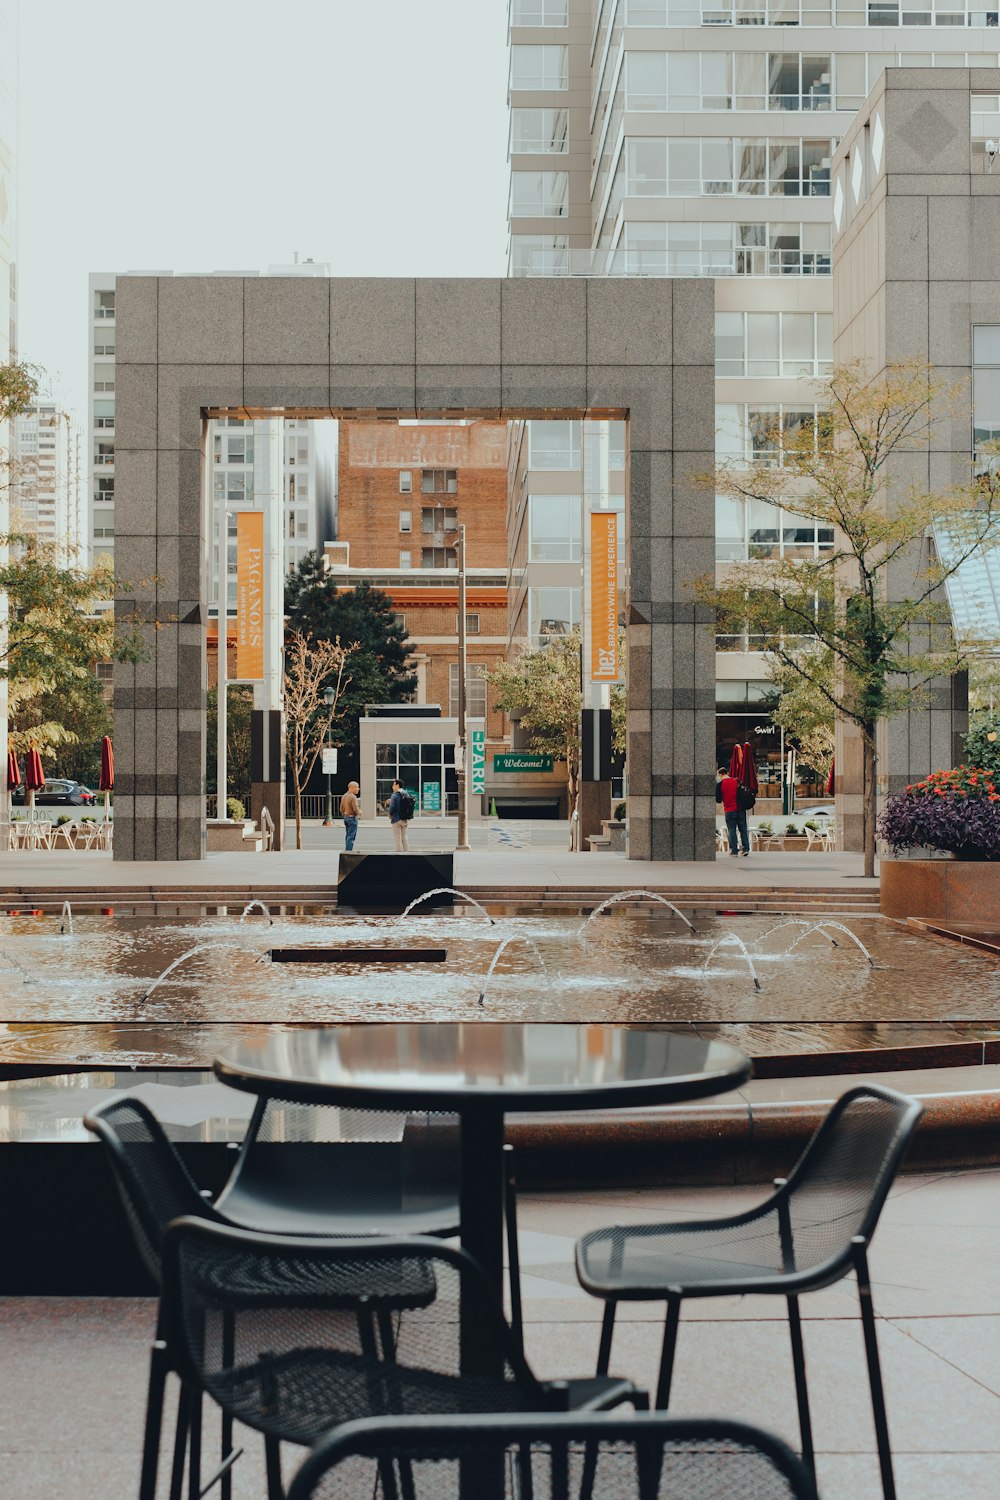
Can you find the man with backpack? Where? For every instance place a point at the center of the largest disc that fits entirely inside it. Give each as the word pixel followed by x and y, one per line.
pixel 734 799
pixel 400 812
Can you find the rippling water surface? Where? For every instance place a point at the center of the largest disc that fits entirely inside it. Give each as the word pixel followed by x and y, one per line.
pixel 628 966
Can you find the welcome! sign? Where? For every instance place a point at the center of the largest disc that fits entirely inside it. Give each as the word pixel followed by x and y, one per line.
pixel 604 596
pixel 250 595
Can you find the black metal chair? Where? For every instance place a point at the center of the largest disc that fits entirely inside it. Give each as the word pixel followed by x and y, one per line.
pixel 292 1336
pixel 809 1234
pixel 156 1187
pixel 645 1457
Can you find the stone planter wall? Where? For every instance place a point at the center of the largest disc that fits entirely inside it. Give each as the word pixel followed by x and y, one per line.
pixel 957 889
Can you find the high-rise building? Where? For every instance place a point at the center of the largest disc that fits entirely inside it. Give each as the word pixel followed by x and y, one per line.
pixel 694 137
pixel 45 479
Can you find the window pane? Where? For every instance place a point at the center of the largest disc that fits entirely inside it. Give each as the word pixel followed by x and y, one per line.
pixel 762 344
pixel 729 343
pixel 797 343
pixel 646 80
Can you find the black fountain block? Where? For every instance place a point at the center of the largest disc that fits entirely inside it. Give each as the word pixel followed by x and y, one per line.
pixel 321 955
pixel 392 881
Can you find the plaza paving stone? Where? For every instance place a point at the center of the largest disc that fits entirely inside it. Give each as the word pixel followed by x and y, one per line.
pixel 73 1371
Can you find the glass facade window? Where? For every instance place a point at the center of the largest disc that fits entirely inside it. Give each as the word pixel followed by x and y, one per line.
pixel 539 254
pixel 539 195
pixel 773 343
pixel 427 772
pixel 539 12
pixel 438 518
pixel 542 131
pixel 985 392
pixel 545 67
pixel 552 611
pixel 729 13
pixel 438 557
pixel 755 529
pixel 554 528
pixel 553 445
pixel 708 166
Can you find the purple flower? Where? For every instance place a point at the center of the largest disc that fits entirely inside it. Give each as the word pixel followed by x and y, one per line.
pixel 968 827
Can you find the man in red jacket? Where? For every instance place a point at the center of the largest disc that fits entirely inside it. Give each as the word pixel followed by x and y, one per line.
pixel 727 792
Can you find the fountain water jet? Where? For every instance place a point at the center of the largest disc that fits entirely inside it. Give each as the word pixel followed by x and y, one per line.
pixel 261 907
pixel 445 890
pixel 513 937
pixel 829 922
pixel 625 895
pixel 182 958
pixel 13 964
pixel 797 922
pixel 66 917
pixel 730 940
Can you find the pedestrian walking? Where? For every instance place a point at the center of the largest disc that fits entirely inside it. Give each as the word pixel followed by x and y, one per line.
pixel 350 811
pixel 727 791
pixel 400 813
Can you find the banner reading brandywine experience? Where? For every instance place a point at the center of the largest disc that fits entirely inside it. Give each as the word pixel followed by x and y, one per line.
pixel 604 596
pixel 250 595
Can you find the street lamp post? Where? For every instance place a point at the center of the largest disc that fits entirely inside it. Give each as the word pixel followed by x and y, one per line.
pixel 461 764
pixel 329 697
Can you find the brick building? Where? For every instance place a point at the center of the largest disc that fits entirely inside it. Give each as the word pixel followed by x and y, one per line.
pixel 403 491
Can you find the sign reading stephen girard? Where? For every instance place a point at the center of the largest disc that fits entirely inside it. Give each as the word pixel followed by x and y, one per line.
pixel 521 761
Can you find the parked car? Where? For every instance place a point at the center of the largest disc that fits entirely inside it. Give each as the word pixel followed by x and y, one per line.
pixel 56 794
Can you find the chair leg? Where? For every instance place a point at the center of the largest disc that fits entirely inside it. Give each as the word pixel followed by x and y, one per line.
pixel 801 1389
pixel 180 1442
pixel 194 1448
pixel 272 1454
pixel 154 1421
pixel 874 1371
pixel 228 1360
pixel 607 1333
pixel 667 1357
pixel 513 1250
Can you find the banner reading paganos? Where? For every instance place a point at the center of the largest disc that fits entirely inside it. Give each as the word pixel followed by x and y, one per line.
pixel 250 595
pixel 604 596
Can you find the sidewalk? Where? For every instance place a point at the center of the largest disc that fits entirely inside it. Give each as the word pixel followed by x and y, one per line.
pixel 317 867
pixel 74 1370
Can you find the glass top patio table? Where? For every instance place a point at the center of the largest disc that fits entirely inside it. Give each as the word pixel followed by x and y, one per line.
pixel 482 1070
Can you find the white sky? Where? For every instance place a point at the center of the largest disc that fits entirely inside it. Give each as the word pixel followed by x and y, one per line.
pixel 208 135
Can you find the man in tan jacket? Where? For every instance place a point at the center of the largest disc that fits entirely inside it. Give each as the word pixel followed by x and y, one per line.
pixel 350 811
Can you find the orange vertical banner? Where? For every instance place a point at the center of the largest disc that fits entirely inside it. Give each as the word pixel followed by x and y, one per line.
pixel 604 596
pixel 250 595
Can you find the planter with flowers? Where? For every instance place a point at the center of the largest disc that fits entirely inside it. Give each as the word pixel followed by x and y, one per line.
pixel 954 818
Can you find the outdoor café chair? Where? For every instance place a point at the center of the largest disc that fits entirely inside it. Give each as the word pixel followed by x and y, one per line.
pixel 156 1187
pixel 647 1456
pixel 293 1336
pixel 810 1233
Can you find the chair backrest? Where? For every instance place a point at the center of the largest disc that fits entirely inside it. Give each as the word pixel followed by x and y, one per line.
pixel 343 1328
pixel 154 1184
pixel 314 1159
pixel 647 1456
pixel 841 1181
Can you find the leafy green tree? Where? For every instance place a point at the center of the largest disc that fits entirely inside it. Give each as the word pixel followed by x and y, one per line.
pixel 542 689
pixel 67 725
pixel 239 708
pixel 804 709
pixel 888 639
pixel 380 671
pixel 982 743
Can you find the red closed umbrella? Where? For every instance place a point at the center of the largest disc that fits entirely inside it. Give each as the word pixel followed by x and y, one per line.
pixel 749 772
pixel 107 781
pixel 736 763
pixel 829 784
pixel 34 776
pixel 13 771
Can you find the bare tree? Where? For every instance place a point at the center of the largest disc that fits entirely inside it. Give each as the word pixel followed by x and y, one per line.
pixel 313 670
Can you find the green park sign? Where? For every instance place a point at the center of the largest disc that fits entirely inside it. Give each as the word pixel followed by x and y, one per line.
pixel 521 762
